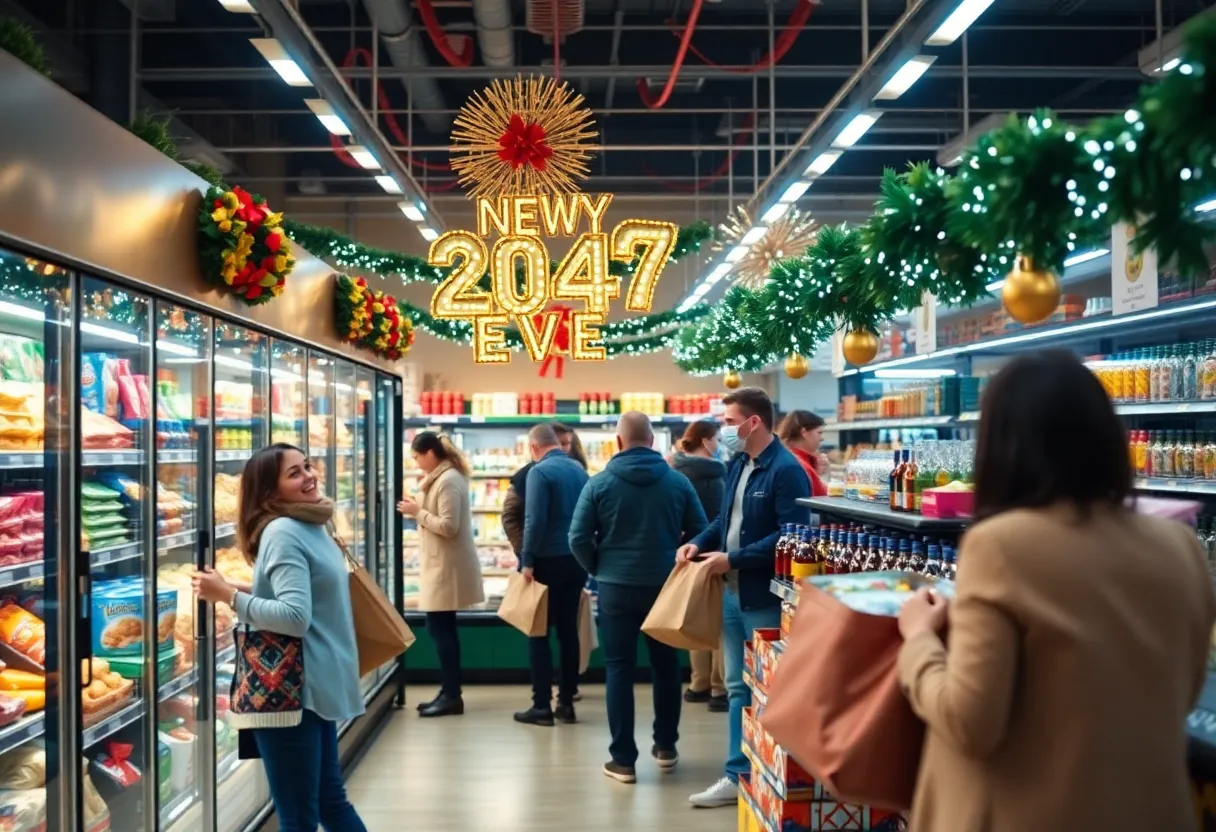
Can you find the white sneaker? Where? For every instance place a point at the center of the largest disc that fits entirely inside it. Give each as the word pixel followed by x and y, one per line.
pixel 722 793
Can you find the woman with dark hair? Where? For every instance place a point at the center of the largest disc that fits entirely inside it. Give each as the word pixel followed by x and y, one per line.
pixel 449 572
pixel 300 588
pixel 1078 635
pixel 695 457
pixel 802 432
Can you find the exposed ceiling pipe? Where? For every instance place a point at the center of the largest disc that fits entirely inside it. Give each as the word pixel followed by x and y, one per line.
pixel 494 32
pixel 403 45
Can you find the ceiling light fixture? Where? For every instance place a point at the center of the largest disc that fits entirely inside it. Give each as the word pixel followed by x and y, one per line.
pixel 326 115
pixel 412 212
pixel 856 128
pixel 753 235
pixel 363 156
pixel 736 254
pixel 914 374
pixel 794 192
pixel 429 234
pixel 241 6
pixel 281 62
pixel 958 22
pixel 388 183
pixel 776 212
pixel 819 166
pixel 905 77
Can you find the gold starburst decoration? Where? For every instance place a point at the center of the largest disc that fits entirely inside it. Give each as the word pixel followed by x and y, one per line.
pixel 523 136
pixel 789 236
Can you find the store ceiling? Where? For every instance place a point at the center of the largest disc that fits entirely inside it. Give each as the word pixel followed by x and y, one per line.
pixel 1078 56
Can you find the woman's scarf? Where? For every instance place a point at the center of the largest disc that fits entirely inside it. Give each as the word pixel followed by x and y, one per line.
pixel 320 513
pixel 430 478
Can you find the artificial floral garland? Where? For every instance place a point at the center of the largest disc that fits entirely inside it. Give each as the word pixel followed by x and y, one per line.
pixel 242 249
pixel 371 319
pixel 1033 191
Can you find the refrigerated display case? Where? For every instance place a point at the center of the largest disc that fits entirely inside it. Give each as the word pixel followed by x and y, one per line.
pixel 125 422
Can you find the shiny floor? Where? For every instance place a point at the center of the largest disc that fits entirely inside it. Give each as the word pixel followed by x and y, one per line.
pixel 482 771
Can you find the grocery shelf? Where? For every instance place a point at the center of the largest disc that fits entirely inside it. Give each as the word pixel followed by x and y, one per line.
pixel 758 816
pixel 970 417
pixel 125 457
pixel 112 724
pixel 176 540
pixel 226 767
pixel 176 455
pixel 758 693
pixel 1176 485
pixel 223 530
pixel 21 573
pixel 23 730
pixel 783 589
pixel 884 424
pixel 239 455
pixel 1165 408
pixel 880 515
pixel 127 551
pixel 572 418
pixel 177 685
pixel 21 459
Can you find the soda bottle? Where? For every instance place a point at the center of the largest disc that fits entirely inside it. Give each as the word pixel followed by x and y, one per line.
pixel 933 565
pixel 888 555
pixel 780 551
pixel 916 561
pixel 873 560
pixel 905 553
pixel 949 563
pixel 857 550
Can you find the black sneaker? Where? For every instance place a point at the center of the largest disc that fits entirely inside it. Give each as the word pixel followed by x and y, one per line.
pixel 422 706
pixel 696 696
pixel 719 704
pixel 565 714
pixel 666 758
pixel 535 716
pixel 620 773
pixel 578 697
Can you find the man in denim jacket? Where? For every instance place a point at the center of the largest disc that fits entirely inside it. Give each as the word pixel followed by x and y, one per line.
pixel 763 484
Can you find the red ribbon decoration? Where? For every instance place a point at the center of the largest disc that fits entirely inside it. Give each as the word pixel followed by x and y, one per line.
pixel 523 143
pixel 561 340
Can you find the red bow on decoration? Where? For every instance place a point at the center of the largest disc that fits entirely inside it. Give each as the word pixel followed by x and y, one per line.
pixel 561 340
pixel 249 212
pixel 524 144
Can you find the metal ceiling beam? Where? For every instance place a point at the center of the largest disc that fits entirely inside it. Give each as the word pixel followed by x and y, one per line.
pixel 575 72
pixel 610 148
pixel 640 111
pixel 1038 28
pixel 291 30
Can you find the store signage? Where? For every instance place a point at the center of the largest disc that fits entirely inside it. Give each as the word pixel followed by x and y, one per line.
pixel 510 246
pixel 838 353
pixel 1133 276
pixel 924 323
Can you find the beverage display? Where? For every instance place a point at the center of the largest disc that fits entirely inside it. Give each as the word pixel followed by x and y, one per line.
pixel 1173 373
pixel 1173 454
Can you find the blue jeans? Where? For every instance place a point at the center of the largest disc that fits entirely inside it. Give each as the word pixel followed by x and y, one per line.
pixel 305 777
pixel 737 627
pixel 622 609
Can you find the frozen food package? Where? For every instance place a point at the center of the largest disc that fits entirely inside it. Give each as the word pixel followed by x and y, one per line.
pixel 23 631
pixel 99 431
pixel 23 768
pixel 11 709
pixel 12 359
pixel 23 811
pixel 145 395
pixel 92 386
pixel 33 354
pixel 123 487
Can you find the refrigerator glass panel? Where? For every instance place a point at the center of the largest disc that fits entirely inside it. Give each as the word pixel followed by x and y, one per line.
pixel 183 407
pixel 320 416
pixel 346 517
pixel 128 619
pixel 364 483
pixel 287 394
pixel 34 347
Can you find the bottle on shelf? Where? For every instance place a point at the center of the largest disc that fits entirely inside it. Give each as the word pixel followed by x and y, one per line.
pixel 896 478
pixel 780 551
pixel 804 563
pixel 1209 457
pixel 1190 373
pixel 856 549
pixel 832 563
pixel 916 560
pixel 911 496
pixel 1197 456
pixel 1177 391
pixel 821 548
pixel 889 554
pixel 1207 370
pixel 949 563
pixel 1184 457
pixel 873 561
pixel 933 562
pixel 905 554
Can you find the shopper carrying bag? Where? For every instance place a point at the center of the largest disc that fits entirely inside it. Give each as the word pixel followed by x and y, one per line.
pixel 380 631
pixel 688 611
pixel 1078 635
pixel 525 606
pixel 300 591
pixel 449 572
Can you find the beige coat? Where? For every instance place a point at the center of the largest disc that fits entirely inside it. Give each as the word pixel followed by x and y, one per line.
pixel 449 573
pixel 1076 650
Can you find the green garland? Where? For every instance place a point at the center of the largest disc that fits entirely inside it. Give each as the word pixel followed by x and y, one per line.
pixel 154 130
pixel 20 41
pixel 725 340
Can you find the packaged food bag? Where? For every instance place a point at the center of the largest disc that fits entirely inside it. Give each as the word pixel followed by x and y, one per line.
pixel 525 606
pixel 687 614
pixel 834 702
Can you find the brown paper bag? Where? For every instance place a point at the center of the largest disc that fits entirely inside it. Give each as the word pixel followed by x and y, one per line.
pixel 688 612
pixel 835 703
pixel 525 606
pixel 588 637
pixel 381 634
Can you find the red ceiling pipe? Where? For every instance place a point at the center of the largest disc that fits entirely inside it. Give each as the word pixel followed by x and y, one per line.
pixel 783 43
pixel 656 103
pixel 439 37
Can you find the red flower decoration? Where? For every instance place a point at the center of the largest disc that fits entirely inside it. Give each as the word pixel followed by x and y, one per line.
pixel 523 143
pixel 274 242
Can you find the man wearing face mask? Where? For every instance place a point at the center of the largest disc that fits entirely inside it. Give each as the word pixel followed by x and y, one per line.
pixel 763 484
pixel 627 525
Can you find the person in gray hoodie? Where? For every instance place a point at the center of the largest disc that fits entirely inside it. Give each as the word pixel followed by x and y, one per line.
pixel 695 457
pixel 627 525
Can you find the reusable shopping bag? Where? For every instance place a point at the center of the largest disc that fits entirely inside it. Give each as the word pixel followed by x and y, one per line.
pixel 381 634
pixel 687 614
pixel 525 606
pixel 588 636
pixel 836 706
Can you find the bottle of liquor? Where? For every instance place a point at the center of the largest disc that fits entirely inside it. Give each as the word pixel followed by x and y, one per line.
pixel 873 561
pixel 889 554
pixel 780 551
pixel 822 550
pixel 833 563
pixel 905 553
pixel 895 479
pixel 817 554
pixel 799 567
pixel 949 563
pixel 933 564
pixel 806 551
pixel 911 495
pixel 916 561
pixel 857 552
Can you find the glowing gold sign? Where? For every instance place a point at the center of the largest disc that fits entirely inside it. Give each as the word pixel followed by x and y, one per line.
pixel 520 223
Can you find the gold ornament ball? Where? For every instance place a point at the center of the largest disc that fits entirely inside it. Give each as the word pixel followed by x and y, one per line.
pixel 732 380
pixel 1030 295
pixel 860 346
pixel 796 365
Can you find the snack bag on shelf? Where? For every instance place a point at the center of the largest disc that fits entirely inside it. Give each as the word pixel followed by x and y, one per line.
pixel 23 811
pixel 112 770
pixel 100 432
pixel 23 632
pixel 23 768
pixel 11 710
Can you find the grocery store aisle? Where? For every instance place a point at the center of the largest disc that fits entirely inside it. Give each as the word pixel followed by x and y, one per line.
pixel 482 771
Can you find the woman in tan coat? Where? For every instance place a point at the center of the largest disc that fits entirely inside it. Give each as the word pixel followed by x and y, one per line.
pixel 1077 636
pixel 449 574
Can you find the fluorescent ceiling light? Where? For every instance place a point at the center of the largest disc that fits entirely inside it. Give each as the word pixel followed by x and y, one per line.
pixel 856 128
pixel 905 77
pixel 326 115
pixel 753 235
pixel 736 254
pixel 719 272
pixel 429 234
pixel 958 22
pixel 1165 55
pixel 775 213
pixel 175 349
pixel 1204 207
pixel 822 162
pixel 388 183
pixel 914 374
pixel 281 62
pixel 242 6
pixel 794 192
pixel 363 156
pixel 411 211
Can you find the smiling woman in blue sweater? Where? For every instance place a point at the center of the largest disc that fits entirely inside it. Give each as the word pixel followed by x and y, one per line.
pixel 300 588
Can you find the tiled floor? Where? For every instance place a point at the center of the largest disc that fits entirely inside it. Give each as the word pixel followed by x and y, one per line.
pixel 482 771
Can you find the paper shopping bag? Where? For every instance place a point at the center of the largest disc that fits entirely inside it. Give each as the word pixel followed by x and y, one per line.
pixel 525 606
pixel 836 706
pixel 688 612
pixel 381 634
pixel 588 636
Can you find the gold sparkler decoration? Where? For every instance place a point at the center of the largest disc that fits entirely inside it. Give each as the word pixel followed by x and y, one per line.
pixel 789 236
pixel 522 136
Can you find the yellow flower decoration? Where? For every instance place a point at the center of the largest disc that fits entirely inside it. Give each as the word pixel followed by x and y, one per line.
pixel 226 226
pixel 228 273
pixel 244 246
pixel 280 263
pixel 378 307
pixel 230 201
pixel 238 226
pixel 219 215
pixel 273 220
